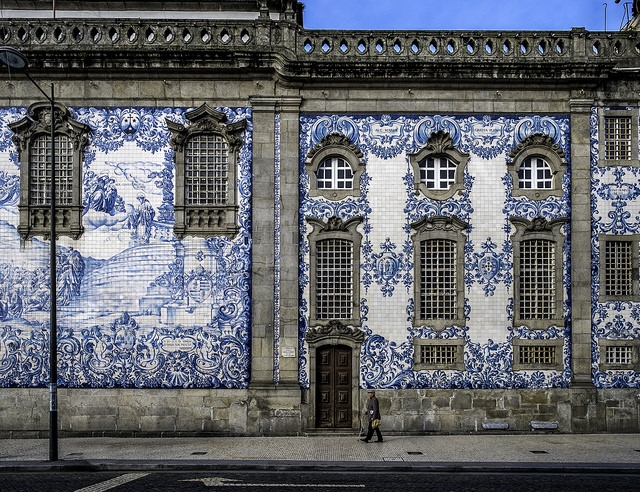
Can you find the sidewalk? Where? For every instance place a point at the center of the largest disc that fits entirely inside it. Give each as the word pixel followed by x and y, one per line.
pixel 581 453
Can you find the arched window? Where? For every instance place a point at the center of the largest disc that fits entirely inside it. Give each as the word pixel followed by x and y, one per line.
pixel 438 168
pixel 334 166
pixel 537 167
pixel 438 173
pixel 334 173
pixel 535 174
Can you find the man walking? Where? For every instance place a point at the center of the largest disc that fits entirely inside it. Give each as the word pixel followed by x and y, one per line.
pixel 373 413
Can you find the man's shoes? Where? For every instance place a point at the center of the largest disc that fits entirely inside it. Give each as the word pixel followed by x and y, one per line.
pixel 364 440
pixel 379 440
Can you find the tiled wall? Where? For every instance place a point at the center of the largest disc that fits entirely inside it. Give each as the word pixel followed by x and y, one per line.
pixel 615 210
pixel 136 307
pixel 388 205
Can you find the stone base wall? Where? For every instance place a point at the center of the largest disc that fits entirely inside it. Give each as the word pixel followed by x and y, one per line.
pixel 24 413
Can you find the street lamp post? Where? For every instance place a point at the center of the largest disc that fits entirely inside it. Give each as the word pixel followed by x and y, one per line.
pixel 13 58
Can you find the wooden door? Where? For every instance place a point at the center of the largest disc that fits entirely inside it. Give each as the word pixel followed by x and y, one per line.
pixel 333 386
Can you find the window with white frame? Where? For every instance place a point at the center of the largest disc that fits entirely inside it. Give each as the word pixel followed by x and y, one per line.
pixel 535 174
pixel 619 267
pixel 618 132
pixel 33 137
pixel 334 259
pixel 537 167
pixel 206 156
pixel 538 291
pixel 439 257
pixel 437 173
pixel 334 173
pixel 335 166
pixel 438 167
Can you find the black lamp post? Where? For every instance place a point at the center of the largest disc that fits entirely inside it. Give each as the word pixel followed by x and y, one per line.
pixel 13 58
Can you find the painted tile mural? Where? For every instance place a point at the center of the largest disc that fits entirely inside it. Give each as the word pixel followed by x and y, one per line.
pixel 136 306
pixel 388 205
pixel 615 210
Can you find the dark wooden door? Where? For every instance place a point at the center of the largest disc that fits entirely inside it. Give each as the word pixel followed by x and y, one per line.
pixel 333 386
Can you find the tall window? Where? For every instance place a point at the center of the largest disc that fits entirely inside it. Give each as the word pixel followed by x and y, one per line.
pixel 206 154
pixel 437 173
pixel 40 170
pixel 206 170
pixel 33 137
pixel 537 291
pixel 617 137
pixel 535 173
pixel 334 279
pixel 438 292
pixel 619 267
pixel 334 259
pixel 439 259
pixel 334 173
pixel 537 258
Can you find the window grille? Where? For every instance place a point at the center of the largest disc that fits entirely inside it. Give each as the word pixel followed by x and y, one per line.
pixel 537 279
pixel 334 279
pixel 536 355
pixel 618 275
pixel 40 170
pixel 438 354
pixel 617 137
pixel 438 296
pixel 206 170
pixel 437 173
pixel 334 173
pixel 619 355
pixel 535 173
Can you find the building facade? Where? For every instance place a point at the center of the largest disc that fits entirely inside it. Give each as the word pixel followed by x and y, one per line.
pixel 257 221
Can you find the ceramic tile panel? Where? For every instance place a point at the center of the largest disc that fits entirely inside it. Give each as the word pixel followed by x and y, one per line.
pixel 136 306
pixel 389 205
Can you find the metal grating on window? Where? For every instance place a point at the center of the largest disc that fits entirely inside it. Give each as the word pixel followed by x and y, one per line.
pixel 334 173
pixel 618 274
pixel 619 355
pixel 438 293
pixel 334 279
pixel 206 170
pixel 40 170
pixel 437 173
pixel 537 279
pixel 438 354
pixel 537 354
pixel 535 174
pixel 617 138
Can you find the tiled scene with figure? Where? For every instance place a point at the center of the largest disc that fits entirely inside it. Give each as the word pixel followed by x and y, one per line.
pixel 256 222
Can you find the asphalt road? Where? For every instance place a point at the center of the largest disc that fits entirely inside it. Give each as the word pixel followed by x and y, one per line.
pixel 313 481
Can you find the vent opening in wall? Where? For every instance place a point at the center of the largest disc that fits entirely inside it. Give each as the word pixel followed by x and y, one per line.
pixel 621 355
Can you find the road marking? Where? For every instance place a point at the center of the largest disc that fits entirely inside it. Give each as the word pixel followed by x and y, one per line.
pixel 114 482
pixel 230 482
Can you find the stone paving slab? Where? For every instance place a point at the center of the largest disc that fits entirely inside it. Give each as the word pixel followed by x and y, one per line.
pixel 612 451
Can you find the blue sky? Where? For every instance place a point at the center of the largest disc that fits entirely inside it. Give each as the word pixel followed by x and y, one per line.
pixel 464 14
